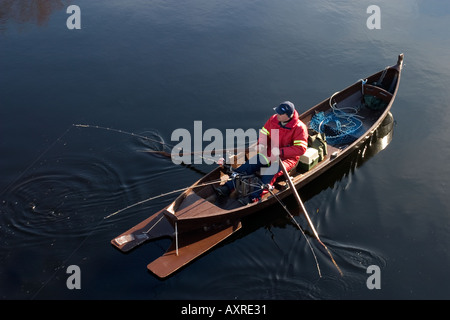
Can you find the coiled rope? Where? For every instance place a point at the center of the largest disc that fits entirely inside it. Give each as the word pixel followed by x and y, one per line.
pixel 339 124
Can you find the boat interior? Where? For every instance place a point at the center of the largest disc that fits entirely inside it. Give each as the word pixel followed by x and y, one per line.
pixel 365 102
pixel 336 127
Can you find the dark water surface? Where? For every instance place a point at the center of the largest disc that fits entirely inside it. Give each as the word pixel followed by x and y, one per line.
pixel 150 67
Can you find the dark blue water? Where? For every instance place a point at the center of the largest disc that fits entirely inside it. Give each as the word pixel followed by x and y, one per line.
pixel 150 67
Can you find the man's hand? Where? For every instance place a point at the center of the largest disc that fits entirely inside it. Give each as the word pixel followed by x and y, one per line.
pixel 274 155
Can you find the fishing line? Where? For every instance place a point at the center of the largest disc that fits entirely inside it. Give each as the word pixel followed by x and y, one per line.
pixel 302 207
pixel 58 269
pixel 167 154
pixel 39 157
pixel 161 195
pixel 300 228
pixel 64 262
pixel 120 131
pixel 36 160
pixel 20 176
pixel 97 225
pixel 154 225
pixel 247 146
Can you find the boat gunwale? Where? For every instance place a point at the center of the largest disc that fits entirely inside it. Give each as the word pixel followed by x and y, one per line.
pixel 299 179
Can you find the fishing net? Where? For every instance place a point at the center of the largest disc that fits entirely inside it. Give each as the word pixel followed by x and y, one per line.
pixel 340 125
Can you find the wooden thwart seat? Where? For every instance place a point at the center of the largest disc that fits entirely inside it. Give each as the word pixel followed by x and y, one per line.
pixel 377 92
pixel 196 206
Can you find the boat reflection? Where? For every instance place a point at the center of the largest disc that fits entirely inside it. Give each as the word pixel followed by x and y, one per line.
pixel 36 12
pixel 380 139
pixel 377 142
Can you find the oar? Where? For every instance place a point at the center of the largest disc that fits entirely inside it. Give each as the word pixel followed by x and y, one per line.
pixel 234 150
pixel 169 155
pixel 298 226
pixel 305 213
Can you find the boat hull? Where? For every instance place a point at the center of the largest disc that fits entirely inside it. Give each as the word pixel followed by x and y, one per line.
pixel 197 220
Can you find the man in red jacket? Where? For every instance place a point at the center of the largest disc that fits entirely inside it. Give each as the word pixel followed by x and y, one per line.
pixel 283 137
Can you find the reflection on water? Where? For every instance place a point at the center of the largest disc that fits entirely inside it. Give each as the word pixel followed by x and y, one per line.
pixel 37 12
pixel 77 181
pixel 381 138
pixel 286 269
pixel 57 198
pixel 161 64
pixel 61 200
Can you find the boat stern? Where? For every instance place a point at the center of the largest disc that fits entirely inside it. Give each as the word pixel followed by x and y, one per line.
pixel 156 226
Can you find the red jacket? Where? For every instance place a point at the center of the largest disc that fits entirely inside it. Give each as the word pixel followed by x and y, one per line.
pixel 293 138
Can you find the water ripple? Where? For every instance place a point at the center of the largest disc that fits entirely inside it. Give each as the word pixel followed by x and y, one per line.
pixel 62 198
pixel 283 268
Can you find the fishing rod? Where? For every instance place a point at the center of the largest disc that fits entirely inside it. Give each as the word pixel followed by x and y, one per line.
pixel 164 144
pixel 162 195
pixel 120 131
pixel 305 213
pixel 34 162
pixel 164 153
pixel 299 227
pixel 290 182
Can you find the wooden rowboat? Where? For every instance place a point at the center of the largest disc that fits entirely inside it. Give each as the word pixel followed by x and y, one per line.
pixel 197 221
